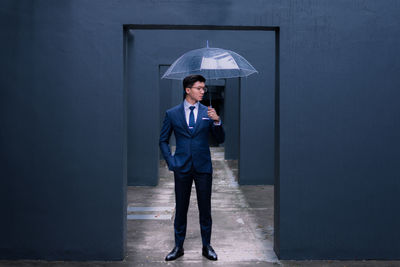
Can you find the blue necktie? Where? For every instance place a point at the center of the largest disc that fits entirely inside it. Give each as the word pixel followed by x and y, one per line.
pixel 191 118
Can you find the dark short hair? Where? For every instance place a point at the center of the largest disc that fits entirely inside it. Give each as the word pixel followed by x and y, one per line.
pixel 190 80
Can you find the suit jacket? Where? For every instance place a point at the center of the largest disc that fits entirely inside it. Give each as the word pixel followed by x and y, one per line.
pixel 191 148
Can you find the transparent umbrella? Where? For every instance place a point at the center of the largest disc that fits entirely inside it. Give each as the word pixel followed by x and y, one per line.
pixel 212 63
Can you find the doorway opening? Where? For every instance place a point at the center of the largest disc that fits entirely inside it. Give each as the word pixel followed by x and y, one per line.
pixel 219 101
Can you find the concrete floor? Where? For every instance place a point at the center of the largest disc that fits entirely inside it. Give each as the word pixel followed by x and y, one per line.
pixel 242 226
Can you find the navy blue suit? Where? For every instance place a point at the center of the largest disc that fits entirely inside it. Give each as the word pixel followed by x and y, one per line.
pixel 191 161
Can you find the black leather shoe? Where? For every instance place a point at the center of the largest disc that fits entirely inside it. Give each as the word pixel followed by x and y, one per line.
pixel 209 253
pixel 174 254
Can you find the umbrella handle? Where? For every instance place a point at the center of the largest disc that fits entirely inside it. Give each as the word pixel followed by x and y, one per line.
pixel 209 97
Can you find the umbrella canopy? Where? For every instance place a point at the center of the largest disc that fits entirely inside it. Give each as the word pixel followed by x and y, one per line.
pixel 212 63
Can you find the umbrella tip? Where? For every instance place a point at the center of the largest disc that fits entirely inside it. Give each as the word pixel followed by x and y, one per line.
pixel 207 43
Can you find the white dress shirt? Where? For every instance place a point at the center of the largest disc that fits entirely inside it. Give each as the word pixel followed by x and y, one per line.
pixel 186 106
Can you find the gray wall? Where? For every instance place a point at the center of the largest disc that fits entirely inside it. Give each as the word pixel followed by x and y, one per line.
pixel 339 127
pixel 232 118
pixel 62 183
pixel 62 130
pixel 257 106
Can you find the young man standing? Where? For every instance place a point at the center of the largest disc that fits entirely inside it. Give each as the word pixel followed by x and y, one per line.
pixel 191 122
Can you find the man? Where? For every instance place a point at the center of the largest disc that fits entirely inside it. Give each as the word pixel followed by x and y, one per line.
pixel 191 123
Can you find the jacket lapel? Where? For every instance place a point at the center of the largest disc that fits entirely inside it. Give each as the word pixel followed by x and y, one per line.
pixel 200 115
pixel 183 118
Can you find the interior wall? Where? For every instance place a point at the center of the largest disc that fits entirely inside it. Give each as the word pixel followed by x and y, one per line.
pixel 257 115
pixel 232 119
pixel 339 119
pixel 62 185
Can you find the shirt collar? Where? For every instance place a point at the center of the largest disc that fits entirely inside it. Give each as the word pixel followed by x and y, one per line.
pixel 187 104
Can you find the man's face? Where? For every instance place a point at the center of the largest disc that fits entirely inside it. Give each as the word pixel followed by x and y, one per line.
pixel 196 93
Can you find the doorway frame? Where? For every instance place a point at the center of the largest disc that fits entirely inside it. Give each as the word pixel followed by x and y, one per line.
pixel 276 29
